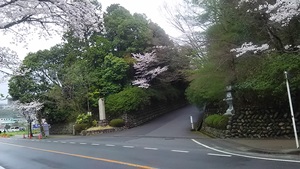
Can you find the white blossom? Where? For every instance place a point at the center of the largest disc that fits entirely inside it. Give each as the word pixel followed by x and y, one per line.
pixel 28 110
pixel 9 62
pixel 20 16
pixel 145 69
pixel 282 11
pixel 279 11
pixel 141 82
pixel 286 47
pixel 23 18
pixel 249 47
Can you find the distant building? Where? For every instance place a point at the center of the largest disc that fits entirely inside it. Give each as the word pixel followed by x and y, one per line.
pixel 10 116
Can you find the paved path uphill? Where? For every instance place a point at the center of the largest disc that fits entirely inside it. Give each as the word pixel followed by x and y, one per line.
pixel 172 125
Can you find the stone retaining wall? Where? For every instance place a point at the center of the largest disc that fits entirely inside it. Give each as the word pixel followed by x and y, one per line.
pixel 61 128
pixel 259 123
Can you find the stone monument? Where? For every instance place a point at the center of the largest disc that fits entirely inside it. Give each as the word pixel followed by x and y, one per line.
pixel 102 118
pixel 228 99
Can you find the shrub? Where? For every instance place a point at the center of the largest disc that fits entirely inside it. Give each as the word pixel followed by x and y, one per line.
pixel 216 121
pixel 223 122
pixel 117 123
pixel 95 123
pixel 210 119
pixel 80 127
pixel 84 119
pixel 126 101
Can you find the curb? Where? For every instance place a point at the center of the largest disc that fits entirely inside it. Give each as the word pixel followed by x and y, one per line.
pixel 284 152
pixel 207 134
pixel 246 148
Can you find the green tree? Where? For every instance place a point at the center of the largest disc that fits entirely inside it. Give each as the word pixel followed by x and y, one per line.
pixel 128 33
pixel 257 76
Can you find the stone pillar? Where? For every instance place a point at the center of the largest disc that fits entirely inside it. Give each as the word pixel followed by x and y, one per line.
pixel 102 118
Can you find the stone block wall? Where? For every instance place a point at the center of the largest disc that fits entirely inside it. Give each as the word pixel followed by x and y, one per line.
pixel 61 128
pixel 259 123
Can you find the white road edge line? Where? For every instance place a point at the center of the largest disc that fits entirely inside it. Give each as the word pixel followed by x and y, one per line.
pixel 180 151
pixel 2 167
pixel 149 148
pixel 109 145
pixel 128 146
pixel 246 156
pixel 221 155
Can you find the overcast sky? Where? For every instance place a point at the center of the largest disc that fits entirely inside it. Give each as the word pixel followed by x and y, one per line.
pixel 152 9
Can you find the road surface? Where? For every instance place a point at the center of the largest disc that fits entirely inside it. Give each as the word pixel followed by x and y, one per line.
pixel 165 143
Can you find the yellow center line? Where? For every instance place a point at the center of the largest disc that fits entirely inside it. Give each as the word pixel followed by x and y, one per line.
pixel 82 156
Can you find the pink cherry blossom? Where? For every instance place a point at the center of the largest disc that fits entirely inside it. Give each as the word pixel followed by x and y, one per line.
pixel 146 69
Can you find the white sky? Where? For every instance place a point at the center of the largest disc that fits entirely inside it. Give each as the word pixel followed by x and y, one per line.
pixel 152 9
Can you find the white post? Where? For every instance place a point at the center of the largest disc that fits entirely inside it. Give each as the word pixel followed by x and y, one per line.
pixel 191 118
pixel 291 108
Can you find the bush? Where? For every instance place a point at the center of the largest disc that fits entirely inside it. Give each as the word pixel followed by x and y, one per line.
pixel 95 123
pixel 80 127
pixel 126 101
pixel 216 121
pixel 117 123
pixel 84 119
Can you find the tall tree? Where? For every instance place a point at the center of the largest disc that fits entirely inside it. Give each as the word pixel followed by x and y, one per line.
pixel 128 33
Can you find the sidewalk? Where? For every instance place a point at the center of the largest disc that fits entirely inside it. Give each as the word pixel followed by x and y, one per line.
pixel 264 146
pixel 269 146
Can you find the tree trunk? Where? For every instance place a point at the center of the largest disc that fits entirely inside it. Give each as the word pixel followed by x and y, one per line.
pixel 30 129
pixel 39 117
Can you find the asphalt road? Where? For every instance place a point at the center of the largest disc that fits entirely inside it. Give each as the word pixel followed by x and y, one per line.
pixel 164 143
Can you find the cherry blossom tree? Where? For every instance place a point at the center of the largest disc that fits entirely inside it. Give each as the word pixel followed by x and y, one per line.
pixel 146 69
pixel 21 18
pixel 280 12
pixel 28 111
pixel 9 62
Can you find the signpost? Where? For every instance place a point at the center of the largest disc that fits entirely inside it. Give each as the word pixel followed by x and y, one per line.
pixel 291 108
